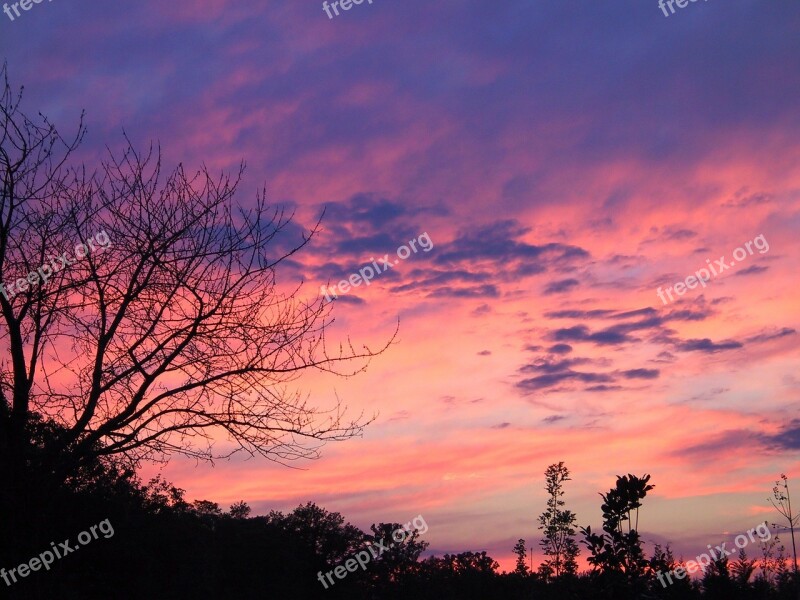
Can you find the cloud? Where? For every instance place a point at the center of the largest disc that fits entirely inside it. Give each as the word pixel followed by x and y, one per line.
pixel 668 234
pixel 434 279
pixel 639 312
pixel 553 419
pixel 478 291
pixel 603 388
pixel 752 270
pixel 581 333
pixel 368 209
pixel 561 286
pixel 742 199
pixel 472 265
pixel 399 416
pixel 499 242
pixel 707 346
pixel 559 349
pixel 788 439
pixel 688 314
pixel 481 310
pixel 697 312
pixel 679 234
pixel 665 357
pixel 374 245
pixel 579 314
pixel 641 374
pixel 625 327
pixel 551 372
pixel 722 444
pixel 552 379
pixel 548 366
pixel 767 336
pixel 348 299
pixel 711 393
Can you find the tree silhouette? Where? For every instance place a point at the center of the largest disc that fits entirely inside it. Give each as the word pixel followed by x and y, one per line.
pixel 240 510
pixel 664 583
pixel 742 569
pixel 398 551
pixel 558 526
pixel 177 336
pixel 326 534
pixel 521 567
pixel 782 502
pixel 463 575
pixel 617 552
pixel 717 581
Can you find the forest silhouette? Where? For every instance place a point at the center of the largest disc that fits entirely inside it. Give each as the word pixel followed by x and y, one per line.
pixel 165 546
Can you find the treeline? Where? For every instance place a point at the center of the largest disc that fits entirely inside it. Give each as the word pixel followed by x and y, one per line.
pixel 620 567
pixel 165 547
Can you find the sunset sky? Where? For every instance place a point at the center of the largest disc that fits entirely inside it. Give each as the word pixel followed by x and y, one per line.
pixel 566 159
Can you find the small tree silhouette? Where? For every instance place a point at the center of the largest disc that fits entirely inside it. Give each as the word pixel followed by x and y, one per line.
pixel 558 526
pixel 240 510
pixel 618 551
pixel 742 569
pixel 522 556
pixel 782 502
pixel 717 581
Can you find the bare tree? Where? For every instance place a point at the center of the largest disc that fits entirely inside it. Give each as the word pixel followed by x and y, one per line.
pixel 178 336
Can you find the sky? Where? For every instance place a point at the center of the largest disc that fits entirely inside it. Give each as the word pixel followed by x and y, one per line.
pixel 559 163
